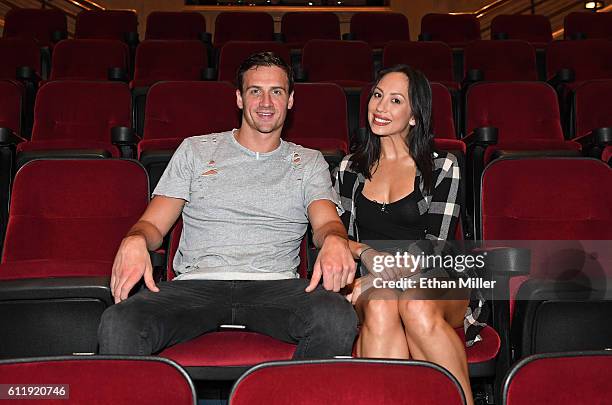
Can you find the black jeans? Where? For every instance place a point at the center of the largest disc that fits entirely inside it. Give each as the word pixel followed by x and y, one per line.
pixel 322 323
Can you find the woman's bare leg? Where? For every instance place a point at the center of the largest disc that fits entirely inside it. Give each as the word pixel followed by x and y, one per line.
pixel 429 327
pixel 382 334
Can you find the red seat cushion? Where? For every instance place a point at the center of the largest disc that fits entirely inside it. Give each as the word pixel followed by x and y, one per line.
pixel 532 145
pixel 44 268
pixel 68 144
pixel 229 349
pixel 484 350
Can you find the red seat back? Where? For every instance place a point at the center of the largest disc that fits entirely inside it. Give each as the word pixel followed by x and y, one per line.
pixel 532 28
pixel 591 25
pixel 379 381
pixel 379 28
pixel 592 106
pixel 182 25
pixel 105 24
pixel 347 63
pixel 127 380
pixel 501 60
pixel 10 105
pixel 299 28
pixel 243 26
pixel 318 119
pixel 16 53
pixel 434 59
pixel 562 379
pixel 73 210
pixel 589 59
pixel 33 23
pixel 87 59
pixel 234 53
pixel 78 110
pixel 456 30
pixel 520 110
pixel 160 60
pixel 540 206
pixel 184 109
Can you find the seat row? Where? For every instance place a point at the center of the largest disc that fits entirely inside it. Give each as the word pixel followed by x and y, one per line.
pixel 567 378
pixel 68 122
pixel 67 218
pixel 570 63
pixel 47 25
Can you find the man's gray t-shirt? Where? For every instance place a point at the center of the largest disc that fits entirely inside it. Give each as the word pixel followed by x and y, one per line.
pixel 246 212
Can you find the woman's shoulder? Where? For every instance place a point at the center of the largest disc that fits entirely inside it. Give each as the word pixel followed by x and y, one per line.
pixel 444 161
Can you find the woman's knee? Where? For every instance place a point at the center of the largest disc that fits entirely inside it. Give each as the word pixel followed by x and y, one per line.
pixel 420 317
pixel 381 315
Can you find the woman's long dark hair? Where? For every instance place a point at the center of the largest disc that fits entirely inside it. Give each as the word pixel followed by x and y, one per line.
pixel 419 140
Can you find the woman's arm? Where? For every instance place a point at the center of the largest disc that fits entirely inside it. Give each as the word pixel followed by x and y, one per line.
pixel 443 213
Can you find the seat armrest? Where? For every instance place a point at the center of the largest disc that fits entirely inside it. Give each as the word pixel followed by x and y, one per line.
pixel 349 36
pixel 8 137
pixel 205 37
pixel 125 139
pixel 117 74
pixel 597 137
pixel 208 74
pixel 58 35
pixel 482 136
pixel 564 75
pixel 131 38
pixel 278 37
pixel 501 36
pixel 425 36
pixel 508 261
pixel 60 287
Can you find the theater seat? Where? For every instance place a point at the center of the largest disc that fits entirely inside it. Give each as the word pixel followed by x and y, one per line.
pixel 433 58
pixel 175 25
pixel 76 118
pixel 587 25
pixel 46 26
pixel 90 59
pixel 561 291
pixel 344 382
pixel 120 380
pixel 238 26
pixel 591 123
pixel 510 60
pixel 572 378
pixel 532 28
pixel 454 29
pixel 298 28
pixel 107 24
pixel 66 221
pixel 377 29
pixel 225 355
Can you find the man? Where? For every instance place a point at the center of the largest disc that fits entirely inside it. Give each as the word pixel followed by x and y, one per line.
pixel 246 197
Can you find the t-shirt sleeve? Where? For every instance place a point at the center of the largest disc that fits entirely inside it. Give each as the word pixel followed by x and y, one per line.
pixel 318 185
pixel 176 180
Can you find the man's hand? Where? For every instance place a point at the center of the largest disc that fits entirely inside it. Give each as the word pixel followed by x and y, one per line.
pixel 334 264
pixel 131 263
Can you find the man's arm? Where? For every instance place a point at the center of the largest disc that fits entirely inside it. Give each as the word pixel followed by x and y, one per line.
pixel 132 260
pixel 335 262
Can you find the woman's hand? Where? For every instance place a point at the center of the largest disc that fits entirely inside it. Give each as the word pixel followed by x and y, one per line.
pixel 359 286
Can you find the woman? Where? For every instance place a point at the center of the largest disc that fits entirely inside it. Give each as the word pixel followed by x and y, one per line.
pixel 395 187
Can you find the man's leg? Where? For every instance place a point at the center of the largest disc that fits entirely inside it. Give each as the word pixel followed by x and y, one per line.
pixel 148 322
pixel 322 323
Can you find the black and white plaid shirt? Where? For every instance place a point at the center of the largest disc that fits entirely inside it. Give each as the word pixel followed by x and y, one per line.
pixel 442 213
